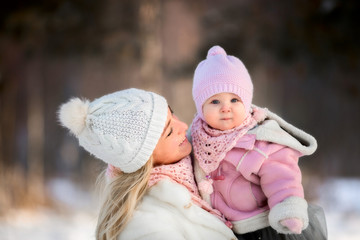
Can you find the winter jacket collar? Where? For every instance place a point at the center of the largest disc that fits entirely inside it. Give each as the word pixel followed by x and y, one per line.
pixel 277 130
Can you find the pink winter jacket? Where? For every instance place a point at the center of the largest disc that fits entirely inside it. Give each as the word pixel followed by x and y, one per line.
pixel 258 183
pixel 255 176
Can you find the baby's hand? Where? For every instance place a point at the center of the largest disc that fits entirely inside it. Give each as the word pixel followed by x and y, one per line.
pixel 293 224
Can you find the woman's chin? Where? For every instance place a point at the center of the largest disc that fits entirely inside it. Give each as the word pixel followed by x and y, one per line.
pixel 186 148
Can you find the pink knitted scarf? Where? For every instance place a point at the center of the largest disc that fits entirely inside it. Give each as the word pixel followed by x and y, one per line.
pixel 182 173
pixel 211 145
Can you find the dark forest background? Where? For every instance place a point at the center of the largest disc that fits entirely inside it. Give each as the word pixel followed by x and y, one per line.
pixel 303 56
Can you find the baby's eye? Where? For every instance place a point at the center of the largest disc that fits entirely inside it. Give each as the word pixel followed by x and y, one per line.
pixel 234 100
pixel 215 101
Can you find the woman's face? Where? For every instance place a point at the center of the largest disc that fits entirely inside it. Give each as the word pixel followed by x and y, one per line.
pixel 173 144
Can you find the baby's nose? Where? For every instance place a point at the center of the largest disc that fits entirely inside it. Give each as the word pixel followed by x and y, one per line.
pixel 225 108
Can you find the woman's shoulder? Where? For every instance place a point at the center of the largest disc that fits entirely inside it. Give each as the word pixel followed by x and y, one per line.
pixel 167 204
pixel 158 211
pixel 170 191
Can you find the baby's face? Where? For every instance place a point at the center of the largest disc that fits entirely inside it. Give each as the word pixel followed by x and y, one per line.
pixel 224 111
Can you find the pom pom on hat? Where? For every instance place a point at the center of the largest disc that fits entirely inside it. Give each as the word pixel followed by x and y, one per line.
pixel 72 115
pixel 216 50
pixel 220 73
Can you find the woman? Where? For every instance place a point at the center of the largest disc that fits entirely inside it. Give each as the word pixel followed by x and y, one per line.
pixel 148 189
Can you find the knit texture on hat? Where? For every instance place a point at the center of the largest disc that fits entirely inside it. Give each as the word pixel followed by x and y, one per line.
pixel 219 73
pixel 121 128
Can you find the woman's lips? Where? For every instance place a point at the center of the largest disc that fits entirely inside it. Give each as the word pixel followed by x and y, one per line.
pixel 183 141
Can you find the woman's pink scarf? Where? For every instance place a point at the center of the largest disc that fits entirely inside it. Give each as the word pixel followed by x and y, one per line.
pixel 182 173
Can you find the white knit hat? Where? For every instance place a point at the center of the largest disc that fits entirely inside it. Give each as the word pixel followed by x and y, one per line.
pixel 121 128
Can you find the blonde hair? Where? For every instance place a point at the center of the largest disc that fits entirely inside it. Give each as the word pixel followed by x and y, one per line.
pixel 119 197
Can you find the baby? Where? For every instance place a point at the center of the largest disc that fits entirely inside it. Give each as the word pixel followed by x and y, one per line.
pixel 246 158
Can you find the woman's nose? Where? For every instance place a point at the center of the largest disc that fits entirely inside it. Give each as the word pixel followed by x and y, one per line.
pixel 182 127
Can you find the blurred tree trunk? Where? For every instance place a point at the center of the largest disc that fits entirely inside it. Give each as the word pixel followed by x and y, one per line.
pixel 151 72
pixel 22 125
pixel 35 128
pixel 11 80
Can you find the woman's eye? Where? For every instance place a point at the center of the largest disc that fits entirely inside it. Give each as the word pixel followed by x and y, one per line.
pixel 171 130
pixel 234 100
pixel 215 102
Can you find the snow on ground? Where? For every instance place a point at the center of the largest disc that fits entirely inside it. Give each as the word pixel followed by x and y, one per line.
pixel 340 200
pixel 338 197
pixel 46 224
pixel 76 219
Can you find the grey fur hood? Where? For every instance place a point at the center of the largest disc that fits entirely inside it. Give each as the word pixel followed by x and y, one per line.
pixel 277 130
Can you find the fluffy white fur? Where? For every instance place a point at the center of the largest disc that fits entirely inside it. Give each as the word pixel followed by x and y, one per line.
pixel 277 130
pixel 252 224
pixel 289 208
pixel 166 212
pixel 72 115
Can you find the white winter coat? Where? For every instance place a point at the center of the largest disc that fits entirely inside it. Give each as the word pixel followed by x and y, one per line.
pixel 166 212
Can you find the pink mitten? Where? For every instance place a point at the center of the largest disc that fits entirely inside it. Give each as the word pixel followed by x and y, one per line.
pixel 293 224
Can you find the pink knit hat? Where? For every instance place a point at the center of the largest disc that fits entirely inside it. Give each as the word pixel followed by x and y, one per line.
pixel 219 73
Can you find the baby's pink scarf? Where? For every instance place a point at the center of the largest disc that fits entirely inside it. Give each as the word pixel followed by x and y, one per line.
pixel 211 145
pixel 182 173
